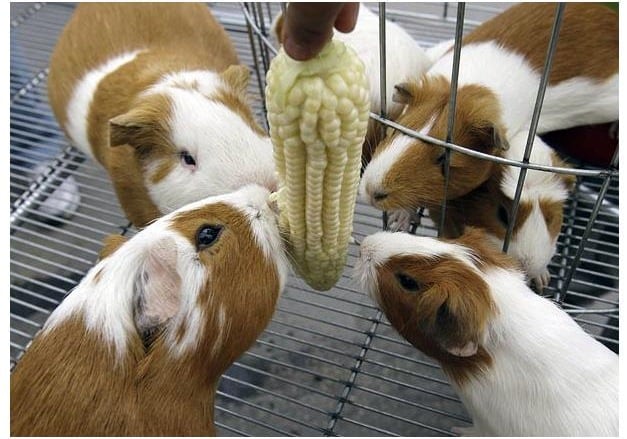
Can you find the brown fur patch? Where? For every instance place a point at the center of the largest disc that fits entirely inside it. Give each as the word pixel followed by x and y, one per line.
pixel 569 180
pixel 162 170
pixel 451 308
pixel 110 244
pixel 142 136
pixel 144 125
pixel 240 274
pixel 67 384
pixel 553 215
pixel 126 176
pixel 587 45
pixel 417 178
pixel 486 255
pixel 486 207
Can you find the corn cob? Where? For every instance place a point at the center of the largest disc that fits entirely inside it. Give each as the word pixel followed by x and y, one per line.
pixel 318 115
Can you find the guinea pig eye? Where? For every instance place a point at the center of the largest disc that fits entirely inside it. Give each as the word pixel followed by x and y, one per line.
pixel 441 161
pixel 187 159
pixel 407 282
pixel 207 235
pixel 503 215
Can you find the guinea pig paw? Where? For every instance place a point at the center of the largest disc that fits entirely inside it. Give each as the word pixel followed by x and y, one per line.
pixel 542 280
pixel 399 220
pixel 465 431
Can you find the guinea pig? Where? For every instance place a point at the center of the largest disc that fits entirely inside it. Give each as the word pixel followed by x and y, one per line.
pixel 500 68
pixel 155 94
pixel 539 217
pixel 404 59
pixel 520 365
pixel 138 347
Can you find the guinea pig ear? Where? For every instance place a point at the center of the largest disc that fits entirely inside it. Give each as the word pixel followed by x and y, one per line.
pixel 489 137
pixel 158 285
pixel 237 76
pixel 456 316
pixel 128 128
pixel 403 93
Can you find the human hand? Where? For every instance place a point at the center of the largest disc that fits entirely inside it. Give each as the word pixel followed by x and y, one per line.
pixel 309 26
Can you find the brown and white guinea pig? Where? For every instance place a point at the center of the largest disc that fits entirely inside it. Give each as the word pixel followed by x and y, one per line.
pixel 540 212
pixel 521 365
pixel 154 92
pixel 138 347
pixel 500 69
pixel 404 59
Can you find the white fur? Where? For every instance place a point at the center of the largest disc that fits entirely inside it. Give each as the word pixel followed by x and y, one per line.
pixel 548 377
pixel 569 103
pixel 203 81
pixel 379 247
pixel 436 51
pixel 372 178
pixel 375 172
pixel 228 153
pixel 252 201
pixel 223 329
pixel 538 184
pixel 108 304
pixel 82 96
pixel 579 101
pixel 404 57
pixel 532 244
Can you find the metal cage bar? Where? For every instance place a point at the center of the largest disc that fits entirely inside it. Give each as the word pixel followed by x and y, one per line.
pixel 450 125
pixel 544 82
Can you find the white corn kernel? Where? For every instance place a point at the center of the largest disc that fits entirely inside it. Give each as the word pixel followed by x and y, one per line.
pixel 318 113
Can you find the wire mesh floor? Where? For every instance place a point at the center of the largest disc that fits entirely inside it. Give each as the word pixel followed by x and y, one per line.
pixel 329 363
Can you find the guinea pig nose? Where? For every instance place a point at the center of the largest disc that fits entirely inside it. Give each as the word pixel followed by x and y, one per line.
pixel 378 195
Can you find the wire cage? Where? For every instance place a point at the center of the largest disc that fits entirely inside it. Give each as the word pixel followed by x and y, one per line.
pixel 328 363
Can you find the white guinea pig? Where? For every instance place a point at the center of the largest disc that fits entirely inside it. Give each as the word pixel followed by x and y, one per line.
pixel 154 93
pixel 521 365
pixel 138 347
pixel 404 59
pixel 539 217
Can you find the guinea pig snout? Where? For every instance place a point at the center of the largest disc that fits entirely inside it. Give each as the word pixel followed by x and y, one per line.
pixel 373 194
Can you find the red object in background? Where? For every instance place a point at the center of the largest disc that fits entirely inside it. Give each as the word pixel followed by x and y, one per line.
pixel 592 144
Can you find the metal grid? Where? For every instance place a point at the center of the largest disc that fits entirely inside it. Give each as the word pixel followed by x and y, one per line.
pixel 329 363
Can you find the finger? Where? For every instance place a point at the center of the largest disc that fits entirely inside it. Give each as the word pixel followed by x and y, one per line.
pixel 347 17
pixel 308 27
